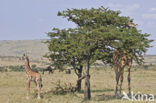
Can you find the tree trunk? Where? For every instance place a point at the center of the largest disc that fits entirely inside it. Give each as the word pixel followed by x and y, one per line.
pixel 79 76
pixel 87 93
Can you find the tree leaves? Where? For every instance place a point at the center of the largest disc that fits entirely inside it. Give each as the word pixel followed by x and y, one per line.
pixel 98 34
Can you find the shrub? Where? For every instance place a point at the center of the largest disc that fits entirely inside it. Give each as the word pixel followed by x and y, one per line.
pixel 17 68
pixel 3 69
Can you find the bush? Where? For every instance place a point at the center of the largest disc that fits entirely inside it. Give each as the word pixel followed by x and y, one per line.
pixel 3 69
pixel 62 89
pixel 17 68
pixel 35 68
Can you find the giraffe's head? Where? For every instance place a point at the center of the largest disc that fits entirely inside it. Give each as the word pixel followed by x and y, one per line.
pixel 131 24
pixel 24 57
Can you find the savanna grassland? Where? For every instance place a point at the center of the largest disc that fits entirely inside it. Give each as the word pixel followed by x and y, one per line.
pixel 13 86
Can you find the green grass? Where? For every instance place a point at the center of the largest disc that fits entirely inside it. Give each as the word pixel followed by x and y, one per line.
pixel 13 90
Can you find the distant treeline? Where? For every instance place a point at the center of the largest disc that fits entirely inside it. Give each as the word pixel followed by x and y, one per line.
pixel 10 58
pixel 18 68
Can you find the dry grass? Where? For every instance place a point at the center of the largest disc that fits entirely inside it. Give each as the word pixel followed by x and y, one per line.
pixel 12 86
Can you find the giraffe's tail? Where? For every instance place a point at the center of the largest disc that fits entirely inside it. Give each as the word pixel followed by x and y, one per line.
pixel 41 85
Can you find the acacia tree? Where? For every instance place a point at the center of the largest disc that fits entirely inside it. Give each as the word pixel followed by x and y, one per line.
pixel 98 34
pixel 65 48
pixel 94 26
pixel 76 47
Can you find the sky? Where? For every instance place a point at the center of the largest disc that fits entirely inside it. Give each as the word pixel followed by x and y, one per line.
pixel 31 19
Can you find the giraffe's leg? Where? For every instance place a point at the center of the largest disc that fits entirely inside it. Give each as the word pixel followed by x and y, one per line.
pixel 117 80
pixel 129 77
pixel 39 91
pixel 39 88
pixel 28 88
pixel 122 66
pixel 129 81
pixel 116 73
pixel 121 79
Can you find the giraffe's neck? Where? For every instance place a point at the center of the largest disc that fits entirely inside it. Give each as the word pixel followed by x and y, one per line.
pixel 28 68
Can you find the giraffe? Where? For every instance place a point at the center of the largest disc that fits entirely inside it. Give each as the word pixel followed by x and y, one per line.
pixel 32 76
pixel 130 24
pixel 120 60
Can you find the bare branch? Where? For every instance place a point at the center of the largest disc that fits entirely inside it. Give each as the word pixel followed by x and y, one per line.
pixel 81 78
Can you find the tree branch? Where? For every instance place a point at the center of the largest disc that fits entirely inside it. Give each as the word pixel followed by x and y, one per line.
pixel 76 72
pixel 84 76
